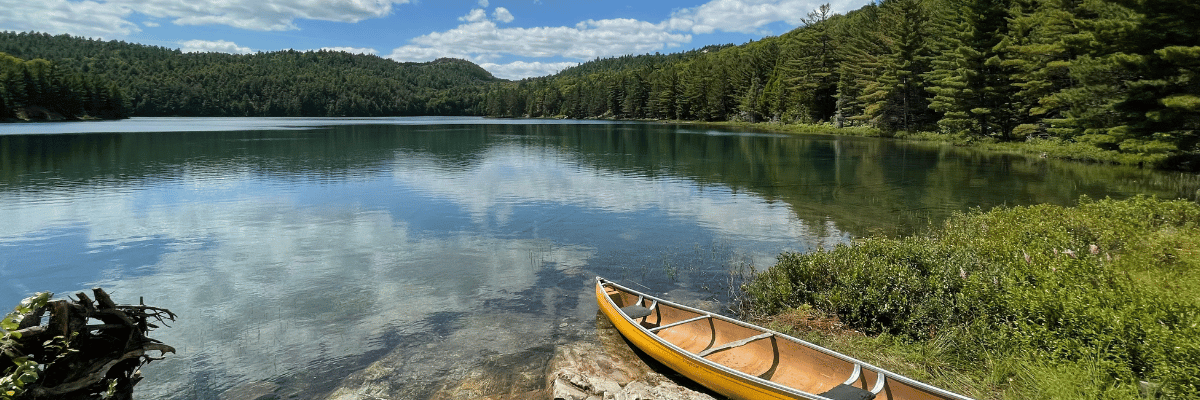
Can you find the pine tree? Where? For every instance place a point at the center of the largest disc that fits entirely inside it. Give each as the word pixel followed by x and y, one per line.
pixel 637 94
pixel 777 95
pixel 971 85
pixel 1060 51
pixel 910 27
pixel 663 92
pixel 1161 111
pixel 812 74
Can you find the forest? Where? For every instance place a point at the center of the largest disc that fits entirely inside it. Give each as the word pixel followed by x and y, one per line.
pixel 1117 74
pixel 1114 75
pixel 39 89
pixel 167 82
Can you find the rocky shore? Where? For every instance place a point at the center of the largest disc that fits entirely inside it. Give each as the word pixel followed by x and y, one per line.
pixel 600 365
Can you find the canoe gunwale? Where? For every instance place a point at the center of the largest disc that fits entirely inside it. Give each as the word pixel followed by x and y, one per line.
pixel 601 283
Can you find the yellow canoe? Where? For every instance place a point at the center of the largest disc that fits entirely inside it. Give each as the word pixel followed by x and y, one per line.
pixel 744 361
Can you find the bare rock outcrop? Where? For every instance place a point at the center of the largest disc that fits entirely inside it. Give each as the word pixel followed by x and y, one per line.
pixel 593 371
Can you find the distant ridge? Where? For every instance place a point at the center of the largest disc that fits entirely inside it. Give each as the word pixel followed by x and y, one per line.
pixel 168 82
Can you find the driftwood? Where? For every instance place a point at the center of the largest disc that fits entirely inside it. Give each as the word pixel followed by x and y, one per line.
pixel 79 358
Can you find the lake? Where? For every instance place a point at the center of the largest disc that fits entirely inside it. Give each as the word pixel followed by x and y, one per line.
pixel 298 251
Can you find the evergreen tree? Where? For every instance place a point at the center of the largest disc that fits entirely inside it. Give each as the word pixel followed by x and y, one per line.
pixel 777 95
pixel 972 86
pixel 749 69
pixel 1161 111
pixel 663 93
pixel 863 73
pixel 1061 53
pixel 40 84
pixel 896 99
pixel 813 73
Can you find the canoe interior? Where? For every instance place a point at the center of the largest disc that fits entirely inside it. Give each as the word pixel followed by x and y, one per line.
pixel 774 358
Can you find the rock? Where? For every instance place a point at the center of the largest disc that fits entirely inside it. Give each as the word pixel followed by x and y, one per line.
pixel 609 369
pixel 598 367
pixel 564 388
pixel 495 356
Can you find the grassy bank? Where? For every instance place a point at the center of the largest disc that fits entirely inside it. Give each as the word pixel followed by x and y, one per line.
pixel 1097 301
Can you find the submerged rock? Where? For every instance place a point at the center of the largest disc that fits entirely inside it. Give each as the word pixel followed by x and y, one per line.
pixel 599 367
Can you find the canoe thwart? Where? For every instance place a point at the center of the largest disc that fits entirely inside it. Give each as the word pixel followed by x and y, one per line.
pixel 677 323
pixel 847 392
pixel 738 343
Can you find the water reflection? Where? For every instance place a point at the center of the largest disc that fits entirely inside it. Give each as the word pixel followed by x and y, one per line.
pixel 297 256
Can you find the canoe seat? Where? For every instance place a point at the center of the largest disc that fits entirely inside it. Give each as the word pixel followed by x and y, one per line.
pixel 636 311
pixel 847 392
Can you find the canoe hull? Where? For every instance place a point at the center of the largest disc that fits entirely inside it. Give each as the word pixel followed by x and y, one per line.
pixel 744 361
pixel 719 381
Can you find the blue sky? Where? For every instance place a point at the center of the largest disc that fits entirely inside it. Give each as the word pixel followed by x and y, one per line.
pixel 511 38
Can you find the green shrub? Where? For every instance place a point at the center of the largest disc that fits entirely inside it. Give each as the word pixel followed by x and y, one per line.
pixel 1108 284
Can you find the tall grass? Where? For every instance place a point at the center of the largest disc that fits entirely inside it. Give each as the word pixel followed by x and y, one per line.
pixel 1101 300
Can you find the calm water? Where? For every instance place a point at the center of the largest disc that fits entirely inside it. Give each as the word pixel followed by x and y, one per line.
pixel 297 251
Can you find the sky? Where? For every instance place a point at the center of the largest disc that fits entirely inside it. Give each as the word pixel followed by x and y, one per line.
pixel 512 39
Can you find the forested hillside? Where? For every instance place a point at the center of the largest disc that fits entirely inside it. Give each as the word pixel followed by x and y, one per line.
pixel 39 89
pixel 166 82
pixel 1119 74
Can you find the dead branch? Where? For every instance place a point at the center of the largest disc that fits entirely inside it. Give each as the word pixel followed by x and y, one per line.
pixel 78 360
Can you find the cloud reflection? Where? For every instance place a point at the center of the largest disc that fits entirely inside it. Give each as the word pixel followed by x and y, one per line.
pixel 509 176
pixel 275 275
pixel 299 288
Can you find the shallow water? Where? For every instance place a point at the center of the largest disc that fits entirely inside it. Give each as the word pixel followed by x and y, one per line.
pixel 297 251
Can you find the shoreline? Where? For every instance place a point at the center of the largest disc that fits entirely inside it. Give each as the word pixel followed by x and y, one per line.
pixel 1052 148
pixel 1031 147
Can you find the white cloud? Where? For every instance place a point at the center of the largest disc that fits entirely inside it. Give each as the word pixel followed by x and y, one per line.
pixel 109 18
pixel 745 16
pixel 150 24
pixel 483 41
pixel 210 46
pixel 521 69
pixel 83 18
pixel 265 15
pixel 479 39
pixel 352 50
pixel 475 15
pixel 501 14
